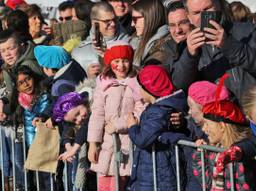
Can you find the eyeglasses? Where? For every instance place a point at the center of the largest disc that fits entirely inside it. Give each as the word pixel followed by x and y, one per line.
pixel 135 18
pixel 182 23
pixel 65 18
pixel 107 21
pixel 23 82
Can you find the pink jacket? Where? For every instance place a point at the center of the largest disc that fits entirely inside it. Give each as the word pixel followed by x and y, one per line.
pixel 112 101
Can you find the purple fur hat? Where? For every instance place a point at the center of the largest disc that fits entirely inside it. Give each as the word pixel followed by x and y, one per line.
pixel 65 103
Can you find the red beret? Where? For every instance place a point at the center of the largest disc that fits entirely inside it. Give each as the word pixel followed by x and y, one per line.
pixel 118 51
pixel 155 80
pixel 224 111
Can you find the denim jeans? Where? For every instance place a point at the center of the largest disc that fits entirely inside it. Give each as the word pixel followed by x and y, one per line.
pixel 7 137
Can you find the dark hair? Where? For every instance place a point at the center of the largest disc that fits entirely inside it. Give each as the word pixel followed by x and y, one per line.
pixel 173 6
pixel 37 79
pixel 83 10
pixel 7 34
pixel 154 15
pixel 65 5
pixel 33 10
pixel 18 21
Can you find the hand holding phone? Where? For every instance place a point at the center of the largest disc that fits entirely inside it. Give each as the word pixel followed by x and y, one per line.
pixel 206 16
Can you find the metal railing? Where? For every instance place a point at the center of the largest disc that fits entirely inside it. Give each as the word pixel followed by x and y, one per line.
pixel 65 178
pixel 13 154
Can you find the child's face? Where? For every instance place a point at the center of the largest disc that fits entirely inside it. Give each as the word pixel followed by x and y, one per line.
pixel 10 51
pixel 76 115
pixel 147 98
pixel 195 110
pixel 213 130
pixel 120 67
pixel 49 72
pixel 93 71
pixel 25 84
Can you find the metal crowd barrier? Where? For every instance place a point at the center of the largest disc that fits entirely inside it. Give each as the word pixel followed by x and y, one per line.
pixel 65 178
pixel 202 149
pixel 13 155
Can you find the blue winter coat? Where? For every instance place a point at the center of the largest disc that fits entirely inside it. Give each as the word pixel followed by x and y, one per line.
pixel 29 115
pixel 153 122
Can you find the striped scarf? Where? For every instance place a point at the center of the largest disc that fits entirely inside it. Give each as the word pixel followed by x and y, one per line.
pixel 218 178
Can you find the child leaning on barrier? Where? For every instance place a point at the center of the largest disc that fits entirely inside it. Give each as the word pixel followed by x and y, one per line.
pixel 116 94
pixel 225 125
pixel 157 90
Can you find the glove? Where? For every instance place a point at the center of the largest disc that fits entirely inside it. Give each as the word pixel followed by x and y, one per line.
pixel 171 137
pixel 234 153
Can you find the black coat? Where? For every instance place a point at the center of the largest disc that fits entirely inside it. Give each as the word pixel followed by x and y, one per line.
pixel 237 57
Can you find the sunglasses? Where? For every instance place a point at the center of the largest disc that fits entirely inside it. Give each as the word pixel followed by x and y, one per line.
pixel 107 21
pixel 65 18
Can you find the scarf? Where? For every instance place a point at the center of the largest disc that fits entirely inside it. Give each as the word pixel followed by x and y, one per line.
pixel 217 179
pixel 25 100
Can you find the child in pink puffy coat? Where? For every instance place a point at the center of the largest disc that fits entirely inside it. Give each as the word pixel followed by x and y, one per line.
pixel 116 95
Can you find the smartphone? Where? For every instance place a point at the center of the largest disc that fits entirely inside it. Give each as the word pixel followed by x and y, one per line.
pixel 206 16
pixel 97 34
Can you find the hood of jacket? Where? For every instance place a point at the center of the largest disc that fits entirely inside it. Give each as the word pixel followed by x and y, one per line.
pixel 132 83
pixel 28 54
pixel 177 100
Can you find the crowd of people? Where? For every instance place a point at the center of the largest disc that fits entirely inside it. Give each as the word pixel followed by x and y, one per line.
pixel 129 78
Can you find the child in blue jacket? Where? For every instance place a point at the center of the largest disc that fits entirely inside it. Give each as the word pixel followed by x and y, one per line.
pixel 158 91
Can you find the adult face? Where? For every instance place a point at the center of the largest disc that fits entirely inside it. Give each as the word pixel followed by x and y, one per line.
pixel 179 25
pixel 121 7
pixel 213 130
pixel 76 115
pixel 195 7
pixel 65 15
pixel 107 23
pixel 10 51
pixel 138 22
pixel 74 16
pixel 195 110
pixel 35 24
pixel 25 84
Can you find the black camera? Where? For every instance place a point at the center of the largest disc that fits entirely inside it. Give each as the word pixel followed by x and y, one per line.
pixel 206 16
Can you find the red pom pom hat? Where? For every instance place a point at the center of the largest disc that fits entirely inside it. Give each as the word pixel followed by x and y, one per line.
pixel 118 49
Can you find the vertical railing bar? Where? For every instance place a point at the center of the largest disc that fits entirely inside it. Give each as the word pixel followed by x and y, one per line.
pixel 2 158
pixel 232 177
pixel 13 161
pixel 203 169
pixel 37 181
pixel 24 159
pixel 66 176
pixel 154 167
pixel 177 167
pixel 51 179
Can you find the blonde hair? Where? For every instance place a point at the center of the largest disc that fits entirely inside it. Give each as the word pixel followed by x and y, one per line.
pixel 249 101
pixel 233 133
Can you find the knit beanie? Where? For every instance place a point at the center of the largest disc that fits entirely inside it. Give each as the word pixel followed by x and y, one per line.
pixel 204 92
pixel 51 56
pixel 155 80
pixel 14 3
pixel 118 49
